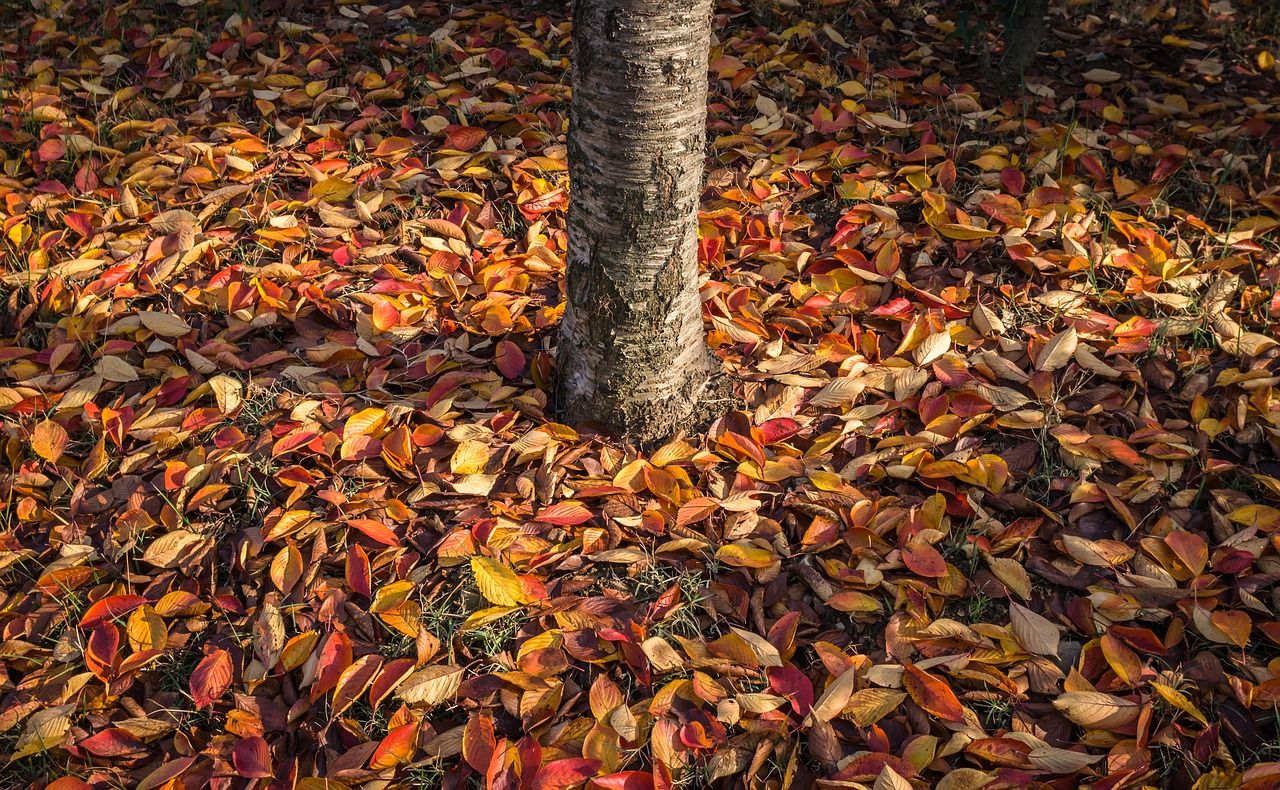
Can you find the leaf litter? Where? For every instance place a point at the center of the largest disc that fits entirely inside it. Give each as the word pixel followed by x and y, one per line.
pixel 285 499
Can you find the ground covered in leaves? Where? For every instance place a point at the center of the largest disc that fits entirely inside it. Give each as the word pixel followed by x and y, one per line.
pixel 284 499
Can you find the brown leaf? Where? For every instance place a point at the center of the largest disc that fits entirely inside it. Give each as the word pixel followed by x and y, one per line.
pixel 1059 350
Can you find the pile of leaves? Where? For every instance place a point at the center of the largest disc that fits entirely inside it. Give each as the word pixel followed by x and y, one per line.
pixel 285 502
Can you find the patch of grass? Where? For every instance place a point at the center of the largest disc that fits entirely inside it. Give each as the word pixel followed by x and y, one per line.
pixel 957 550
pixel 431 773
pixel 492 638
pixel 395 645
pixel 978 608
pixel 511 222
pixel 258 403
pixel 647 582
pixel 1039 486
pixel 996 713
pixel 445 615
pixel 36 770
pixel 371 721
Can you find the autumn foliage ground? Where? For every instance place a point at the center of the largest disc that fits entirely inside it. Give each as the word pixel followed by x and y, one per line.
pixel 283 498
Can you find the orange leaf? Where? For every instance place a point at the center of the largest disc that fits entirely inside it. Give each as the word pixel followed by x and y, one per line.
pixel 211 678
pixel 395 749
pixel 924 560
pixel 1190 549
pixel 49 441
pixel 932 694
pixel 375 530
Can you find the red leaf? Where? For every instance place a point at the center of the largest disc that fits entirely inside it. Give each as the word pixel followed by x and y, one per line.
pixel 109 609
pixel 1013 180
pixel 566 773
pixel 774 431
pixel 789 682
pixel 924 560
pixel 625 780
pixel 895 308
pixel 385 315
pixel 359 577
pixel 335 657
pixel 100 653
pixel 1190 549
pixel 464 138
pixel 396 749
pixel 252 757
pixel 564 514
pixel 51 150
pixel 509 359
pixel 479 742
pixel 114 742
pixel 212 678
pixel 390 677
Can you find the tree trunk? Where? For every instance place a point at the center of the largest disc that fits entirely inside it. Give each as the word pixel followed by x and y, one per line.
pixel 1023 34
pixel 632 349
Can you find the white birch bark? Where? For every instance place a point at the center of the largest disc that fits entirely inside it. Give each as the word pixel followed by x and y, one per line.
pixel 632 351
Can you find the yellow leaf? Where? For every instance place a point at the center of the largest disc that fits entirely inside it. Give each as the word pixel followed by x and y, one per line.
pixel 45 731
pixel 469 458
pixel 835 697
pixel 870 705
pixel 116 369
pixel 744 554
pixel 364 423
pixel 168 550
pixel 298 650
pixel 1096 710
pixel 1179 700
pixel 431 686
pixel 890 779
pixel 333 190
pixel 227 391
pixel 485 616
pixel 957 779
pixel 391 596
pixel 1101 75
pixel 1011 573
pixel 146 629
pixel 884 121
pixel 1058 351
pixel 1036 633
pixel 286 568
pixel 954 230
pixel 498 583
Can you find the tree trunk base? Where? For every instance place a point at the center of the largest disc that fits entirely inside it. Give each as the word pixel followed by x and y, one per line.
pixel 718 399
pixel 699 403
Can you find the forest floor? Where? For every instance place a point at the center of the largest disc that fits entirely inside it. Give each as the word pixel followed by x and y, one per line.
pixel 284 501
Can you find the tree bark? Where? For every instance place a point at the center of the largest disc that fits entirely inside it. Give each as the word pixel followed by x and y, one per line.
pixel 632 349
